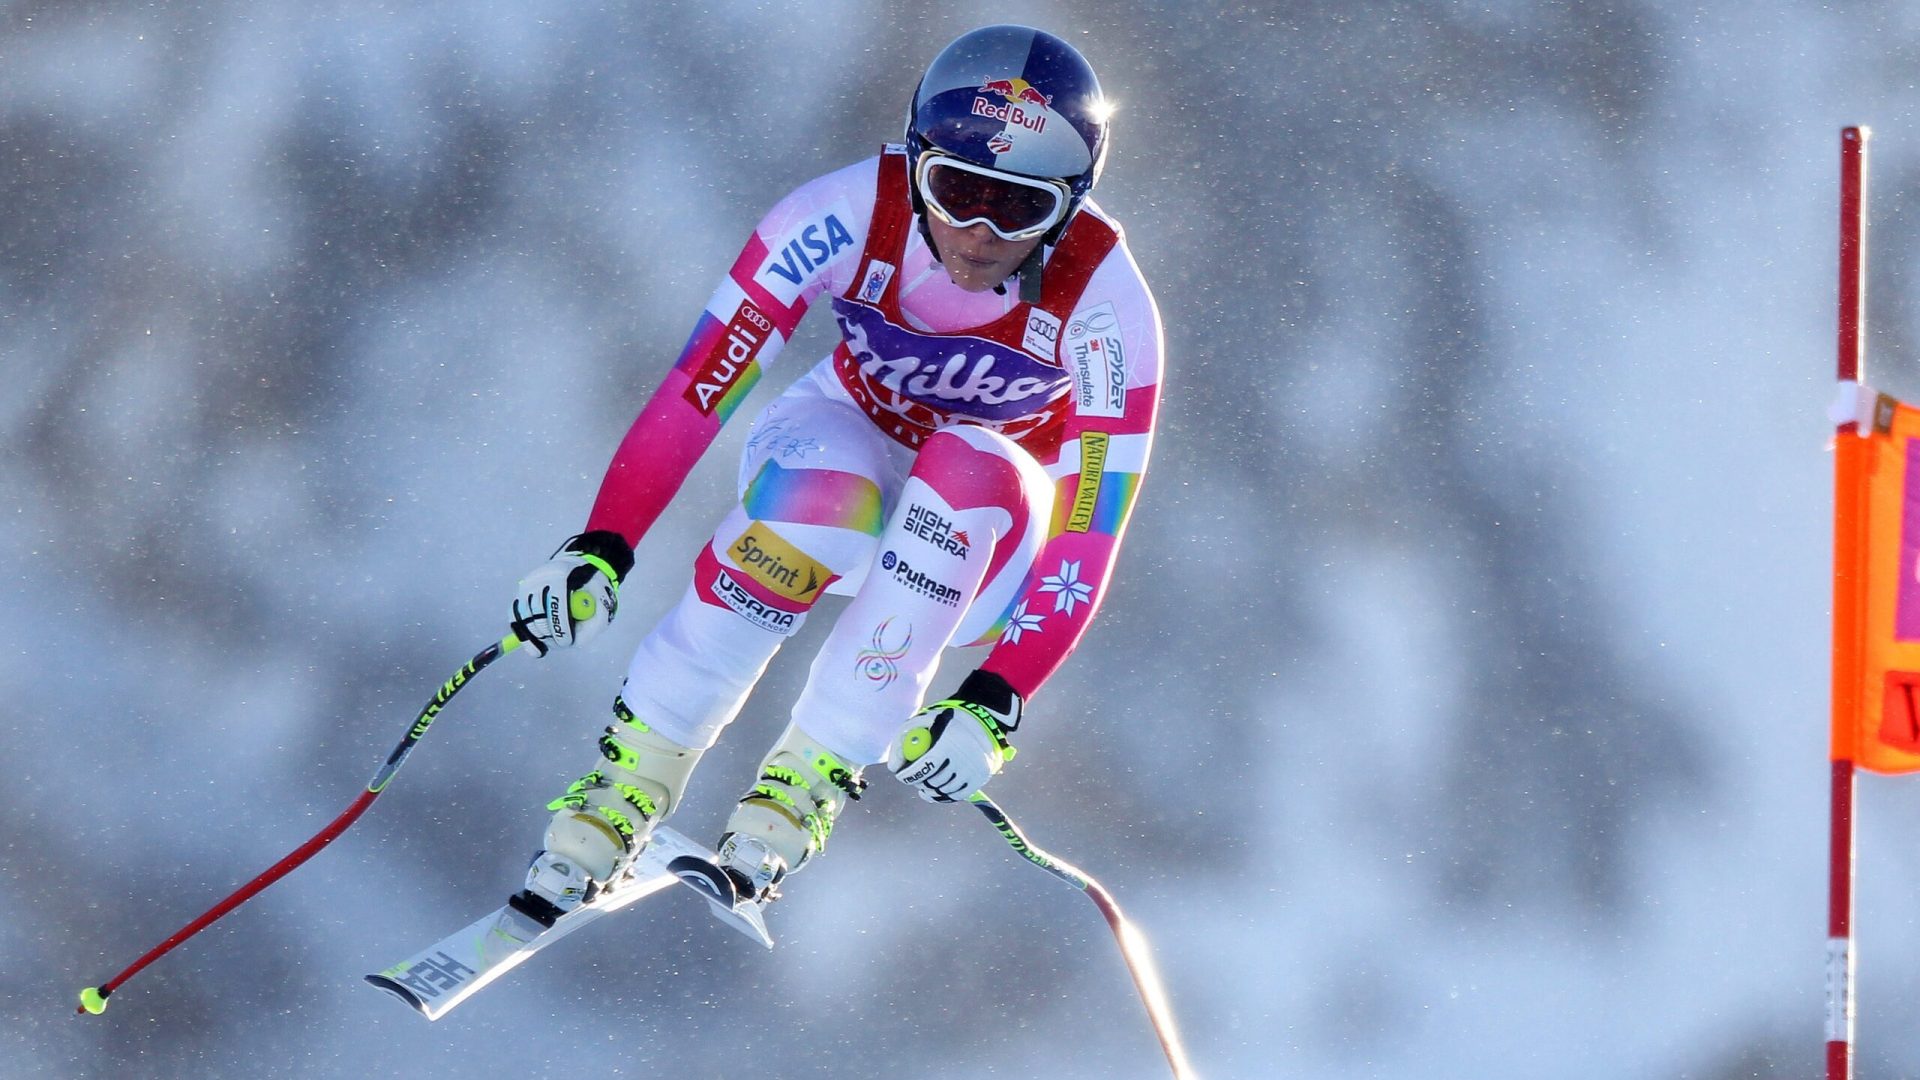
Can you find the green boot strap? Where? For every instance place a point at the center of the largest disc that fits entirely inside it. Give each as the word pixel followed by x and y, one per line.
pixel 625 715
pixel 576 800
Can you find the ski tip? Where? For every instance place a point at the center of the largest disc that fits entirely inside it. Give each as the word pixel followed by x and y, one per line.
pixel 399 991
pixel 92 1001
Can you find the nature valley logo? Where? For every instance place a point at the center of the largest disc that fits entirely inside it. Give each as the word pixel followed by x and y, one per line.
pixel 1093 464
pixel 784 569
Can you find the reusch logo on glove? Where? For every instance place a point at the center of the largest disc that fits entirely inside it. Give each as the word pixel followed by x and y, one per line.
pixel 923 769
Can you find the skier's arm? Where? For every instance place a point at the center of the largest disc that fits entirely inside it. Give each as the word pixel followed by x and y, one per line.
pixel 1114 350
pixel 787 263
pixel 952 747
pixel 791 258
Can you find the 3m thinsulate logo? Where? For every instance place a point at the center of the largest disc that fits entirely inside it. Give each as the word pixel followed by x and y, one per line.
pixel 1099 363
pixel 1093 464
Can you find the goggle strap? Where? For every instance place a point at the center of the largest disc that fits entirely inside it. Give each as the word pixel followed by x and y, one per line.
pixel 1030 275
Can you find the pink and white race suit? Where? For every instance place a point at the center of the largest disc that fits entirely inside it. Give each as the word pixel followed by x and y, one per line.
pixel 962 465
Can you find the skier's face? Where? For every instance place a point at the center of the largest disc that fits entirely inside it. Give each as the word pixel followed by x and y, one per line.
pixel 974 256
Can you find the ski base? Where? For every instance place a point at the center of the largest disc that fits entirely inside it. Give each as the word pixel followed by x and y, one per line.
pixel 437 979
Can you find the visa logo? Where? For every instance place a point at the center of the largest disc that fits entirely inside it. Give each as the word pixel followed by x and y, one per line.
pixel 806 249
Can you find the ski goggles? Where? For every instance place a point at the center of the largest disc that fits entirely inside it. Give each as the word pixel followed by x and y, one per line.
pixel 1014 207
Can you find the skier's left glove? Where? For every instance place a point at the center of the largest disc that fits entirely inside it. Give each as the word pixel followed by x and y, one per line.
pixel 951 748
pixel 573 596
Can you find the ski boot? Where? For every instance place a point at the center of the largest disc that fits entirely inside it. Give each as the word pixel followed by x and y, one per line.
pixel 785 819
pixel 602 822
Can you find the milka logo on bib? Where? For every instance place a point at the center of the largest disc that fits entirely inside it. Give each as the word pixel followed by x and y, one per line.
pixel 802 250
pixel 967 375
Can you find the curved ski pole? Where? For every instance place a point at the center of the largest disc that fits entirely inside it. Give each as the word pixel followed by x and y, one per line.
pixel 1133 944
pixel 94 998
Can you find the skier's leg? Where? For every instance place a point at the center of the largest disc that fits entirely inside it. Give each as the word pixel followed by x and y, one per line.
pixel 969 521
pixel 810 506
pixel 785 818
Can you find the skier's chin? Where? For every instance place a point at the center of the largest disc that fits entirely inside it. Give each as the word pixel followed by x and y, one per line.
pixel 976 279
pixel 977 262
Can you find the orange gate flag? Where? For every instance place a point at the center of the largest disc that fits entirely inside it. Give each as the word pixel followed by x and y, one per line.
pixel 1876 583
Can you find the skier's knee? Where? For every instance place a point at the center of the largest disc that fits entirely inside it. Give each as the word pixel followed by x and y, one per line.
pixel 971 466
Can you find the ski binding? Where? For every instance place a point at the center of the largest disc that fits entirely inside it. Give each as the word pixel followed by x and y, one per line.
pixel 438 978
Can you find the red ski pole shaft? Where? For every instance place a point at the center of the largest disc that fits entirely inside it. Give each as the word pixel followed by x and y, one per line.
pixel 94 998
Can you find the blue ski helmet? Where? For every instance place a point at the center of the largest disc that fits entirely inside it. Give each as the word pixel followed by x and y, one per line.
pixel 1015 99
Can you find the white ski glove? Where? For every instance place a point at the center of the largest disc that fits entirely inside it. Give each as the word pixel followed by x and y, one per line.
pixel 952 748
pixel 573 595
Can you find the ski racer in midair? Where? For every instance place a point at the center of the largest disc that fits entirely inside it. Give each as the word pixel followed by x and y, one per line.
pixel 962 466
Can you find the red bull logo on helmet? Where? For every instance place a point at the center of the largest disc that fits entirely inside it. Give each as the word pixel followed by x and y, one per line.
pixel 1017 90
pixel 1021 103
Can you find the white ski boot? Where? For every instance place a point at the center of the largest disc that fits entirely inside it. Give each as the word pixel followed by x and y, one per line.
pixel 785 819
pixel 602 823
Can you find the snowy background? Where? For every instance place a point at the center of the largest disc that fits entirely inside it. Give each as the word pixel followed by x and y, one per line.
pixel 1460 707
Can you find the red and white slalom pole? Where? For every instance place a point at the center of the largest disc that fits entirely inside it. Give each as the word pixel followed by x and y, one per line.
pixel 1853 260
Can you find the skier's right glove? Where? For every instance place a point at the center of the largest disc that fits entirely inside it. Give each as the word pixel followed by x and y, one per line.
pixel 570 598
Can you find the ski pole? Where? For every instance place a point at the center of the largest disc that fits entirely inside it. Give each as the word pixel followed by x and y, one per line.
pixel 1133 944
pixel 94 998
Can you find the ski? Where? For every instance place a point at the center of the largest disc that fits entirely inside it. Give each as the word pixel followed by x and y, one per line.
pixel 437 979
